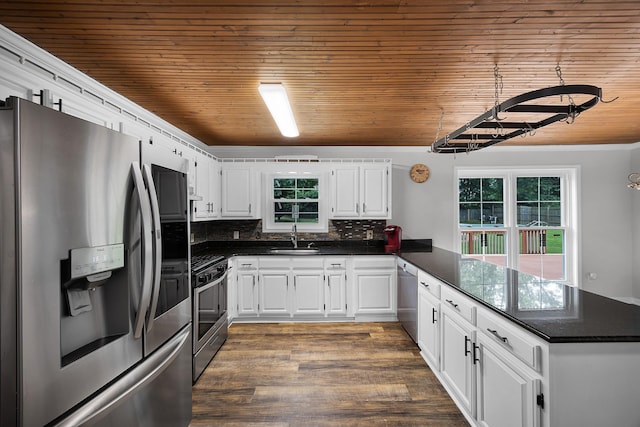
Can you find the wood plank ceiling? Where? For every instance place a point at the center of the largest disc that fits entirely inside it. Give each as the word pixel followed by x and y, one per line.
pixel 358 72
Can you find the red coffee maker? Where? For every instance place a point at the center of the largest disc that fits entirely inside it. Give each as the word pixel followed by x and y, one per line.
pixel 393 238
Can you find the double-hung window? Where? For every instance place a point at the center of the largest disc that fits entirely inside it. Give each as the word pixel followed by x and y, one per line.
pixel 523 219
pixel 295 199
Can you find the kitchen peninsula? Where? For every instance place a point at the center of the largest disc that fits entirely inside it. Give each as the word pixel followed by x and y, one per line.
pixel 507 346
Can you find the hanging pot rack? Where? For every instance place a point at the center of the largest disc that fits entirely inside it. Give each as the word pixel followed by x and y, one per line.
pixel 461 141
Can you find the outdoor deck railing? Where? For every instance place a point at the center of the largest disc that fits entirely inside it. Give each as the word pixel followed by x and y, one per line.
pixel 532 241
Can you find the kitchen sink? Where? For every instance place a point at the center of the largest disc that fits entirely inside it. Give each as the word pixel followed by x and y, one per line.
pixel 294 251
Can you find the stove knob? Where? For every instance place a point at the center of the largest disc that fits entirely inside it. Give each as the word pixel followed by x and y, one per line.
pixel 202 279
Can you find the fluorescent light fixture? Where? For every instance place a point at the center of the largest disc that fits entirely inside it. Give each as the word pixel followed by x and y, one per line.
pixel 277 102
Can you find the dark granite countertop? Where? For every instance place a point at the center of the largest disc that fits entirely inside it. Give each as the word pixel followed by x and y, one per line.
pixel 325 248
pixel 553 311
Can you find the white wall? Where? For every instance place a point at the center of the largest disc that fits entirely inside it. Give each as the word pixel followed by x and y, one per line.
pixel 610 233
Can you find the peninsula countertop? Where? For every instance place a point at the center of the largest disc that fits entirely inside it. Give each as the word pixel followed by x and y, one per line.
pixel 551 310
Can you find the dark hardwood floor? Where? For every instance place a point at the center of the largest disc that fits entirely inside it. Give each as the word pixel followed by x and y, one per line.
pixel 321 374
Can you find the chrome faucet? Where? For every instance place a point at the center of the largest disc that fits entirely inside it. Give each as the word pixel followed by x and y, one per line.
pixel 294 236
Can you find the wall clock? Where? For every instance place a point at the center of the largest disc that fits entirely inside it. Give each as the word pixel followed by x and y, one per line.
pixel 419 172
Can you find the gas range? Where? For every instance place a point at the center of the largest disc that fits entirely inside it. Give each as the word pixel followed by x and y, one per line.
pixel 200 262
pixel 210 324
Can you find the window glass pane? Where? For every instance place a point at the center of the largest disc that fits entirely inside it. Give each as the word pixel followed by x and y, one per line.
pixel 311 183
pixel 470 214
pixel 494 242
pixel 550 213
pixel 492 214
pixel 308 207
pixel 541 253
pixel 308 218
pixel 527 189
pixel 550 188
pixel 283 212
pixel 492 189
pixel 306 194
pixel 528 214
pixel 284 194
pixel 469 189
pixel 284 183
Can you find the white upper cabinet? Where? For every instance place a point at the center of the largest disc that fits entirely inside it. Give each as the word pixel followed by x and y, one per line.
pixel 345 186
pixel 361 191
pixel 239 193
pixel 207 188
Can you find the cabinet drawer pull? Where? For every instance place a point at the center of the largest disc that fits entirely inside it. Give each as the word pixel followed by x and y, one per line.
pixel 497 335
pixel 452 303
pixel 475 353
pixel 425 284
pixel 336 265
pixel 467 340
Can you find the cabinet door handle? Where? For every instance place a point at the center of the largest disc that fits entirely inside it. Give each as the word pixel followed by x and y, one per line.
pixel 467 340
pixel 249 207
pixel 425 284
pixel 497 335
pixel 357 208
pixel 452 303
pixel 364 208
pixel 433 315
pixel 475 353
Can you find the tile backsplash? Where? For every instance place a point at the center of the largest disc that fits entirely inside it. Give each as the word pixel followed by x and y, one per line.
pixel 251 230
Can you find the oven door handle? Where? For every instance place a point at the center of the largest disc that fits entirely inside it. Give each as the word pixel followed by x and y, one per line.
pixel 211 284
pixel 157 244
pixel 145 214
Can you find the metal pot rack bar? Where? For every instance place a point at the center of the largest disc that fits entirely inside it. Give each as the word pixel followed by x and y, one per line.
pixel 461 141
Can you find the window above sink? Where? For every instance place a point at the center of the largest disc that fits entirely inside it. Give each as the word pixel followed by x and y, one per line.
pixel 295 198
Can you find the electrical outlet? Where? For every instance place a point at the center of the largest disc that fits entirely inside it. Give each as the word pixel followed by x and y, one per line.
pixel 236 235
pixel 369 234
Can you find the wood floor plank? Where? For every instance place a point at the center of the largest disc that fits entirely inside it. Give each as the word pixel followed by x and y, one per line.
pixel 321 374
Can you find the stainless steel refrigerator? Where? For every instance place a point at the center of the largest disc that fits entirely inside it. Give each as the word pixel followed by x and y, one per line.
pixel 95 303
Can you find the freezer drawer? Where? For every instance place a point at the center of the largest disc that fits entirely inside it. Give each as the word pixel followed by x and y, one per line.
pixel 163 378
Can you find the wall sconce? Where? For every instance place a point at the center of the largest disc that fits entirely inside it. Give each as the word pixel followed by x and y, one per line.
pixel 634 180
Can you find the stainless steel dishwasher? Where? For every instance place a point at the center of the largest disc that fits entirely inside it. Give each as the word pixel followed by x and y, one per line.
pixel 408 297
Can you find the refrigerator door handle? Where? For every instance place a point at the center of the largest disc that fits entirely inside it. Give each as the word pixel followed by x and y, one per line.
pixel 130 383
pixel 145 213
pixel 157 243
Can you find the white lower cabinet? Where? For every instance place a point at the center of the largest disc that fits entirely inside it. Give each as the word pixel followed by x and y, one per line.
pixel 506 389
pixel 314 287
pixel 336 289
pixel 246 271
pixel 456 358
pixel 429 326
pixel 374 282
pixel 273 291
pixel 490 367
pixel 308 293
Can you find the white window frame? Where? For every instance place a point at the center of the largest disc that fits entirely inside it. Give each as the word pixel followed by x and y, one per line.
pixel 269 225
pixel 570 177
